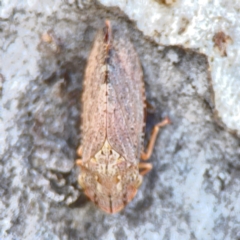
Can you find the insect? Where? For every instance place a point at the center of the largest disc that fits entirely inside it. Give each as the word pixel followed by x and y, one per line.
pixel 221 41
pixel 113 123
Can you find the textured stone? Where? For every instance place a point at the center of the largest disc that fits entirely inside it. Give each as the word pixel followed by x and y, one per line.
pixel 209 27
pixel 193 190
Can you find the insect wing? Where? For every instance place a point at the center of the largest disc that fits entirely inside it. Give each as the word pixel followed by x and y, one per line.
pixel 94 100
pixel 125 101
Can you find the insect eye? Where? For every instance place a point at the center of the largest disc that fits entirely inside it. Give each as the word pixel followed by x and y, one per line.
pixel 81 181
pixel 139 182
pixel 118 179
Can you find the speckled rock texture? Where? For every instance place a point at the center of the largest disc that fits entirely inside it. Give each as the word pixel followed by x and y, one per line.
pixel 193 191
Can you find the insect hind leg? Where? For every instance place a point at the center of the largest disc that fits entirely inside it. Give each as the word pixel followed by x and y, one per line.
pixel 146 155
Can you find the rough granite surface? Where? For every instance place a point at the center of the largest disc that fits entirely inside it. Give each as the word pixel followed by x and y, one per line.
pixel 193 191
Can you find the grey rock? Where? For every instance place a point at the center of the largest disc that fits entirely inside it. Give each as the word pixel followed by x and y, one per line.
pixel 193 190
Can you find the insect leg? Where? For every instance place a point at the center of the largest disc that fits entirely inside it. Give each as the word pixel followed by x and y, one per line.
pixel 146 155
pixel 144 168
pixel 149 107
pixel 78 162
pixel 79 151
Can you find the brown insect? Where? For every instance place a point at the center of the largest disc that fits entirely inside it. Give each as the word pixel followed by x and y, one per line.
pixel 113 123
pixel 221 41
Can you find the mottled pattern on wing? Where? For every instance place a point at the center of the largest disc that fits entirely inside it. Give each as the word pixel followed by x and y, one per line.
pixel 94 101
pixel 125 102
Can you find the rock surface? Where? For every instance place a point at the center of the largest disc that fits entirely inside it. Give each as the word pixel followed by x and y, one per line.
pixel 193 192
pixel 210 27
